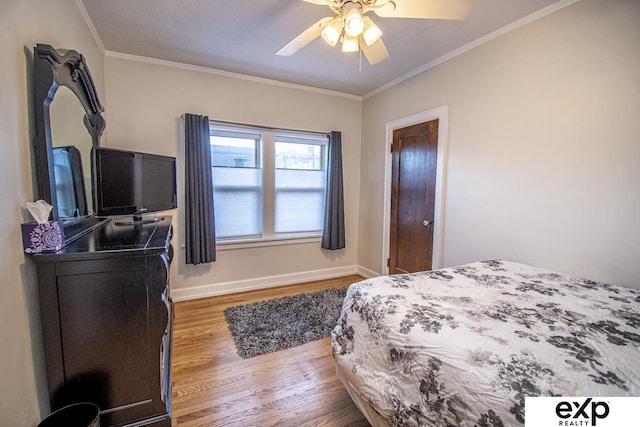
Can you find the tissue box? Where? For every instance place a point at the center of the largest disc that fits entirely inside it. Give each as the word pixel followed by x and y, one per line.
pixel 47 237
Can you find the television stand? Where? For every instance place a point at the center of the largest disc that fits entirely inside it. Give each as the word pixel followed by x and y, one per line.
pixel 139 220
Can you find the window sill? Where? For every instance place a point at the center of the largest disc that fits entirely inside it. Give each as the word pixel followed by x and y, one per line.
pixel 261 243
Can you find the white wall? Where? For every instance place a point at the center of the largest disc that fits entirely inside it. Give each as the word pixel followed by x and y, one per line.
pixel 544 145
pixel 146 100
pixel 543 155
pixel 23 24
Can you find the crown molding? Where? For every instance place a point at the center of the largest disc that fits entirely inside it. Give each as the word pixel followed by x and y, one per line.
pixel 478 42
pixel 216 72
pixel 89 22
pixel 471 45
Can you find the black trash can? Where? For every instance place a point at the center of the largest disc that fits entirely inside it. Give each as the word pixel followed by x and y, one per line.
pixel 82 414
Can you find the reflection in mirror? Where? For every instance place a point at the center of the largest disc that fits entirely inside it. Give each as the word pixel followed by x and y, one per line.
pixel 70 187
pixel 72 144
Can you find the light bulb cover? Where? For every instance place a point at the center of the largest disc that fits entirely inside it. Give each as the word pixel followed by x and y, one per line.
pixel 353 22
pixel 331 33
pixel 371 32
pixel 350 44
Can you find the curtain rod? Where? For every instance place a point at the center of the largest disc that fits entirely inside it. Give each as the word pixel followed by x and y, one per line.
pixel 262 127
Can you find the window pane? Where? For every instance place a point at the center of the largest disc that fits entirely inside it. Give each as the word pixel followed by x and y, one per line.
pixel 298 212
pixel 299 201
pixel 238 202
pixel 299 156
pixel 239 152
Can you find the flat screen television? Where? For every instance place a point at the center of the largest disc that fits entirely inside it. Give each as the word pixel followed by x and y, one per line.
pixel 133 183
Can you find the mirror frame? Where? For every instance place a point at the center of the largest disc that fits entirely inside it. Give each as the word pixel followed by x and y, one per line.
pixel 52 69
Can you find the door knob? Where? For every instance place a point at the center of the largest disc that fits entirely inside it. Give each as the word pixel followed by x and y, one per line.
pixel 427 223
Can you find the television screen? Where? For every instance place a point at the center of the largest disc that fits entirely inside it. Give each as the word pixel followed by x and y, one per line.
pixel 129 182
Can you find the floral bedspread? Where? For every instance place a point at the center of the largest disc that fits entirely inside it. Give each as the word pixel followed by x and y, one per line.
pixel 463 346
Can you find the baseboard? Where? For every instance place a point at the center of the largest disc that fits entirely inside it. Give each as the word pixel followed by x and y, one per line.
pixel 225 288
pixel 365 272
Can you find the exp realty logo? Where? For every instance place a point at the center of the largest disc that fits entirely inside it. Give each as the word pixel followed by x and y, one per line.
pixel 581 411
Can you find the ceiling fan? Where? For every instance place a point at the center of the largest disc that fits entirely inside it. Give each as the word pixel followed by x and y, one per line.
pixel 356 31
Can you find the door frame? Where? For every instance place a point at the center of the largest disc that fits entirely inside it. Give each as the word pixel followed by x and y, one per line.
pixel 442 114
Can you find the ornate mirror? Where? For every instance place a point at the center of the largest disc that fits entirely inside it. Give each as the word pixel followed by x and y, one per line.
pixel 69 124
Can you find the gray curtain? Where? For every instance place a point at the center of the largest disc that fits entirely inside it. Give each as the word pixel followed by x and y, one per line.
pixel 333 232
pixel 199 216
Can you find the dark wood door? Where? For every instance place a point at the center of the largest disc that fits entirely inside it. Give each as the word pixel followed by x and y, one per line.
pixel 414 154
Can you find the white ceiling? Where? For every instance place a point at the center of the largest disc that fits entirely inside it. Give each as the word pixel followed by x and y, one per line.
pixel 242 36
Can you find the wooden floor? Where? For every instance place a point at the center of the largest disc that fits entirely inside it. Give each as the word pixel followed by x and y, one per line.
pixel 213 386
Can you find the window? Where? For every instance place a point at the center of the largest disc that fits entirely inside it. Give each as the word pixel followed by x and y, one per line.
pixel 300 179
pixel 237 184
pixel 268 185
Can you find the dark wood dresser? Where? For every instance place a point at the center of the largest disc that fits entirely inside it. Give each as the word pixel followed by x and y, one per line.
pixel 107 320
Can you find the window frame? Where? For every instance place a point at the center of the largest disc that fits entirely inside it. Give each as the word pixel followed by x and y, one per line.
pixel 267 163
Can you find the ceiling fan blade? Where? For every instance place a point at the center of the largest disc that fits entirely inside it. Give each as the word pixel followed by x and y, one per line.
pixel 304 38
pixel 375 53
pixel 426 9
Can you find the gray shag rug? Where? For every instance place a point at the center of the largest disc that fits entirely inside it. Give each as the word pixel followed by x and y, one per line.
pixel 281 323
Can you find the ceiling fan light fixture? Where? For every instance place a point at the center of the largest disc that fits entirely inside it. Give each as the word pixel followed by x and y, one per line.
pixel 371 32
pixel 353 22
pixel 350 44
pixel 357 32
pixel 331 33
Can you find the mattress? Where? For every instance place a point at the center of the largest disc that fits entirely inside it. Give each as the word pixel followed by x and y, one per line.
pixel 464 346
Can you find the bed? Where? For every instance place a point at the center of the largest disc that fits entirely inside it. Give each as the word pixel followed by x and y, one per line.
pixel 463 346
